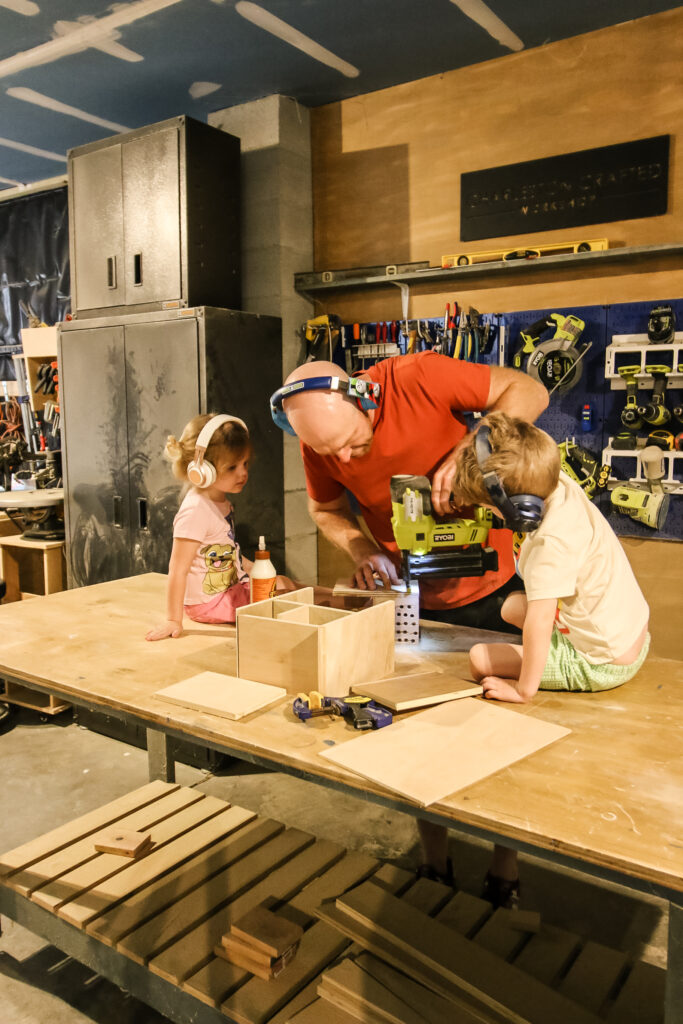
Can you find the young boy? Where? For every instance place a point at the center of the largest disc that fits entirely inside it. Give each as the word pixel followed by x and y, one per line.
pixel 583 618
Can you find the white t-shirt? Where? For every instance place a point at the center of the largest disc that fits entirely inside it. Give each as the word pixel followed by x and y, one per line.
pixel 218 563
pixel 575 556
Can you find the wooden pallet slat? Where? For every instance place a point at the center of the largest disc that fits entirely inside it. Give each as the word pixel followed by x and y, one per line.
pixel 347 986
pixel 185 957
pixel 465 913
pixel 42 872
pixel 548 954
pixel 191 837
pixel 321 1011
pixel 52 842
pixel 641 999
pixel 593 975
pixel 435 1008
pixel 465 968
pixel 184 813
pixel 185 916
pixel 499 937
pixel 139 907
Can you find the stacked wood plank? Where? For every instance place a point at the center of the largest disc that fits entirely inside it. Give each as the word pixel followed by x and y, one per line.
pixel 419 953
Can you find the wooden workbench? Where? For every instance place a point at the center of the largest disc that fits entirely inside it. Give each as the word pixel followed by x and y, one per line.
pixel 607 800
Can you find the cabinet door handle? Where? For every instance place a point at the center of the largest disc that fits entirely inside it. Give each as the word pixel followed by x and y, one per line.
pixel 137 268
pixel 118 503
pixel 142 513
pixel 111 271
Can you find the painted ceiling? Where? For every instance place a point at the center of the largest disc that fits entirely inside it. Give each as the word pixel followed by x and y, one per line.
pixel 72 71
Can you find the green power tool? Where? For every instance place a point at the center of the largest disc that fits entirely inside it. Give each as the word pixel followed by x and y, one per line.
pixel 630 416
pixel 437 549
pixel 655 411
pixel 583 467
pixel 556 363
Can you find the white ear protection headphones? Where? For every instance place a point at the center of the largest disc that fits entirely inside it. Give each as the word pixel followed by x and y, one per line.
pixel 201 473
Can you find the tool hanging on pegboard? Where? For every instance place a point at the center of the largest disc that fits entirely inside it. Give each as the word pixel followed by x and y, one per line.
pixel 320 333
pixel 557 362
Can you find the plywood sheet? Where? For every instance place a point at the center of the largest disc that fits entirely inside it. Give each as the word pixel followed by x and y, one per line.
pixel 442 750
pixel 225 696
pixel 403 693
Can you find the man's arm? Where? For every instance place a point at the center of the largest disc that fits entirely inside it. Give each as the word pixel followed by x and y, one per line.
pixel 335 520
pixel 516 393
pixel 510 391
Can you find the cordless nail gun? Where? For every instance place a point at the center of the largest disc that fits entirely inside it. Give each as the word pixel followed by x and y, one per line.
pixel 437 549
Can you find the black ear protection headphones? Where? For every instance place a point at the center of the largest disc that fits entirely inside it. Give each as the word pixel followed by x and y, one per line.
pixel 201 473
pixel 365 393
pixel 523 512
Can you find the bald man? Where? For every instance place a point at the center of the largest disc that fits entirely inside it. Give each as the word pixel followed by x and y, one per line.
pixel 415 428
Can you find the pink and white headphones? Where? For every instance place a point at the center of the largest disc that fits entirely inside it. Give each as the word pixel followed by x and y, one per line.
pixel 200 472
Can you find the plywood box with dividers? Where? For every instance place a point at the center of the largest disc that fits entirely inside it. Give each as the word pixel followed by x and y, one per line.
pixel 294 643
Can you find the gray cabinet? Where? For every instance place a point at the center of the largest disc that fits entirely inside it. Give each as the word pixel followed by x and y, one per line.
pixel 154 220
pixel 126 383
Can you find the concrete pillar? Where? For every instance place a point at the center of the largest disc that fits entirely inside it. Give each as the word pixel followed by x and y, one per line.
pixel 277 242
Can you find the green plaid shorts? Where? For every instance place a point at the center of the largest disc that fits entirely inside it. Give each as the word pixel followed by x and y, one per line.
pixel 567 669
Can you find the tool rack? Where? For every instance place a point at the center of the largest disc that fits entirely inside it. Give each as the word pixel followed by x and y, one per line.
pixel 641 351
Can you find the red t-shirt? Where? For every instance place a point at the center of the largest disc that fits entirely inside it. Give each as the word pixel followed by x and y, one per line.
pixel 417 425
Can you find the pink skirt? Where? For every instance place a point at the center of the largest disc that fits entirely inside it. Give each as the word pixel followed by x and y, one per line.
pixel 222 607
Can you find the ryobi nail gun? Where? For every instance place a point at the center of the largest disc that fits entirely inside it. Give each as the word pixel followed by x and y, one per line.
pixel 437 549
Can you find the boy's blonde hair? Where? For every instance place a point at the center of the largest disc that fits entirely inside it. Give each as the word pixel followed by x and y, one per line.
pixel 229 443
pixel 525 459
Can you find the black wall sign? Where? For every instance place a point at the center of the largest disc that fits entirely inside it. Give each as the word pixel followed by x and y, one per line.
pixel 589 187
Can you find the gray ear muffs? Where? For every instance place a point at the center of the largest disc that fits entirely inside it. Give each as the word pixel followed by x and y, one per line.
pixel 200 472
pixel 523 512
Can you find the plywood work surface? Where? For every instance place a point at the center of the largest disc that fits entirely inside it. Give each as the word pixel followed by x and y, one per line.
pixel 225 696
pixel 610 794
pixel 445 749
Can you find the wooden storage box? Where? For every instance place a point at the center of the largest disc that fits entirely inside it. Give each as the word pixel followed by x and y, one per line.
pixel 294 643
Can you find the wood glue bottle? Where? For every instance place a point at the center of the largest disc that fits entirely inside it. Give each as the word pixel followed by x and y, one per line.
pixel 263 577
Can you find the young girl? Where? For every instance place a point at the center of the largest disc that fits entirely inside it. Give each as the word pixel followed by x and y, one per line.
pixel 207 575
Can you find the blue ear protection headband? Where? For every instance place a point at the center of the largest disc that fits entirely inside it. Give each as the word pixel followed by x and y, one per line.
pixel 363 392
pixel 523 512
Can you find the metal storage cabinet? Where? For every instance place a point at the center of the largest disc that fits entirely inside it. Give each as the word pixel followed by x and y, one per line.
pixel 126 383
pixel 154 220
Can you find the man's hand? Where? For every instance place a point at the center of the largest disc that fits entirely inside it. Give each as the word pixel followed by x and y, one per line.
pixel 376 564
pixel 168 628
pixel 496 688
pixel 441 484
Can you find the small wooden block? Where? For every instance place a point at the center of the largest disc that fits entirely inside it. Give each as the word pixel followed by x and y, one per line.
pixel 126 844
pixel 266 931
pixel 238 953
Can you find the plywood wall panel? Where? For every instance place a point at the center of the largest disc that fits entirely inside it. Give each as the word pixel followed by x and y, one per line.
pixel 387 165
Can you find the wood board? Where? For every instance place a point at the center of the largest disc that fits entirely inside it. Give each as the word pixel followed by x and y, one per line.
pixel 225 696
pixel 404 693
pixel 442 750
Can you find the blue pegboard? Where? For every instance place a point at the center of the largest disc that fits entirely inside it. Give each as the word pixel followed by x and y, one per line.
pixel 563 417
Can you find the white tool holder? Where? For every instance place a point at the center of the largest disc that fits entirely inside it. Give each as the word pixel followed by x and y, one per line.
pixel 381 351
pixel 628 349
pixel 673 463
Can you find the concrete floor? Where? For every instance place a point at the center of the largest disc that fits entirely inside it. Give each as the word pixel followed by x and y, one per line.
pixel 55 771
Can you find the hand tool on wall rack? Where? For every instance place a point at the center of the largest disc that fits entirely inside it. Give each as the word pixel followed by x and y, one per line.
pixel 655 411
pixel 360 712
pixel 663 439
pixel 528 339
pixel 462 337
pixel 630 416
pixel 318 331
pixel 661 325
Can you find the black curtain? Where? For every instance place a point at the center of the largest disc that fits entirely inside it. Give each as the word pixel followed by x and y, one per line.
pixel 34 266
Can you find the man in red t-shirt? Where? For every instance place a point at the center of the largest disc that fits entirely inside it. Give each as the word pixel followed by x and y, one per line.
pixel 415 429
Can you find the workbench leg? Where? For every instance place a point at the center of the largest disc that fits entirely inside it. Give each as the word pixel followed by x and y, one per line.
pixel 673 1006
pixel 160 756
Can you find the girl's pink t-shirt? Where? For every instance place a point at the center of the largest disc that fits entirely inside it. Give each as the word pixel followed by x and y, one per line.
pixel 217 566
